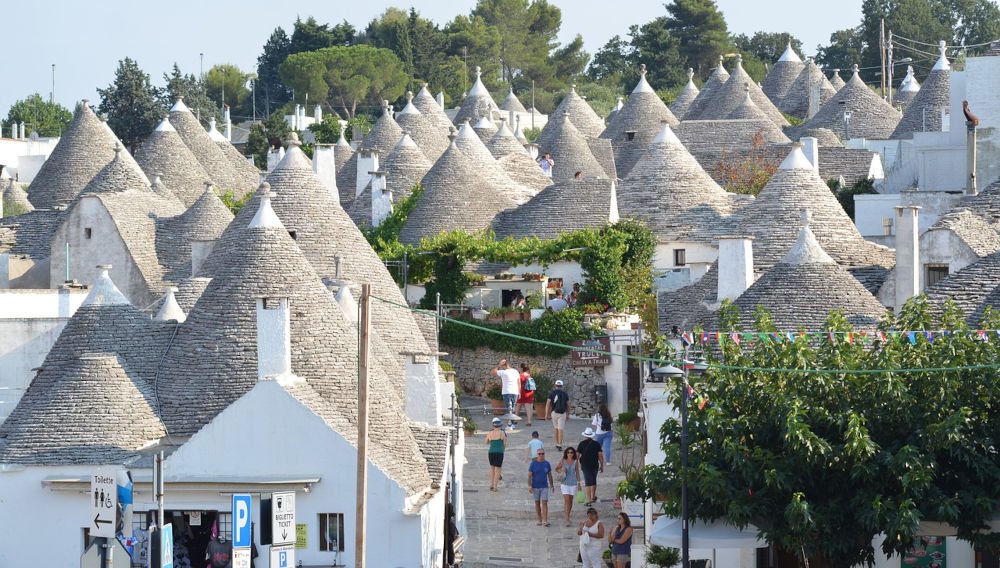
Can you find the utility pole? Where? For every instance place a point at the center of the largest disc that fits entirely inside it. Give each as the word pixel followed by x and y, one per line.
pixel 888 49
pixel 362 474
pixel 201 67
pixel 465 76
pixel 881 53
pixel 52 95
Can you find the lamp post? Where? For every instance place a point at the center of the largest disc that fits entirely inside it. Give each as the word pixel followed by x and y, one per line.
pixel 671 372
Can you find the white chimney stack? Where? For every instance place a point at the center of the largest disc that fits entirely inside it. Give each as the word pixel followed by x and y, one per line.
pixel 367 162
pixel 229 124
pixel 325 166
pixel 907 254
pixel 199 252
pixel 318 114
pixel 810 147
pixel 274 338
pixel 735 266
pixel 381 198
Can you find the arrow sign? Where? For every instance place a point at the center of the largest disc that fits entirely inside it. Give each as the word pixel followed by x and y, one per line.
pixel 103 499
pixel 283 518
pixel 98 520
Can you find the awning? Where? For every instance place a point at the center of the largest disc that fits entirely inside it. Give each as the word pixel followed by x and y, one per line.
pixel 214 484
pixel 667 532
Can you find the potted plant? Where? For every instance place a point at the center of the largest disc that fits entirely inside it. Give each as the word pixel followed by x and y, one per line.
pixel 543 386
pixel 468 424
pixel 630 418
pixel 535 305
pixel 495 394
pixel 662 556
pixel 495 315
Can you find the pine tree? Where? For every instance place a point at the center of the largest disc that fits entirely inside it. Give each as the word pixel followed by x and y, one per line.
pixel 271 91
pixel 132 104
pixel 193 91
pixel 700 30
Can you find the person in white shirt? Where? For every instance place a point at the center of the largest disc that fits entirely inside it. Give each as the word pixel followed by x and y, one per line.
pixel 510 388
pixel 558 303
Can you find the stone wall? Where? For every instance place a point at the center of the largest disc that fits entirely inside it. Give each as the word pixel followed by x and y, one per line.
pixel 473 366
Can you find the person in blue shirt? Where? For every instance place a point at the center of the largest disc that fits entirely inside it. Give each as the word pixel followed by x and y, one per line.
pixel 539 484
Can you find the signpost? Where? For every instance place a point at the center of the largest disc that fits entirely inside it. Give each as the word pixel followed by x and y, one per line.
pixel 242 535
pixel 282 519
pixel 103 517
pixel 282 556
pixel 590 358
pixel 167 546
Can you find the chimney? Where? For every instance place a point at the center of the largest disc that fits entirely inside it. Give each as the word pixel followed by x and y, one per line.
pixel 907 254
pixel 295 118
pixel 347 302
pixel 325 166
pixel 274 338
pixel 22 130
pixel 318 114
pixel 735 266
pixel 440 99
pixel 170 310
pixel 970 158
pixel 229 124
pixel 381 198
pixel 367 162
pixel 199 252
pixel 810 147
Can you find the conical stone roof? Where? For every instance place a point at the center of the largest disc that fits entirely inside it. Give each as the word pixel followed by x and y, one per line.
pixel 383 135
pixel 477 104
pixel 972 289
pixel 715 81
pixel 238 161
pixel 208 153
pixel 569 150
pixel 325 233
pixel 524 171
pixel 205 220
pixel 836 81
pixel 120 174
pixel 84 148
pixel 580 114
pixel 676 198
pixel 871 117
pixel 512 103
pixel 908 89
pixel 404 167
pixel 518 133
pixel 685 98
pixel 796 101
pixel 731 94
pixel 14 196
pixel 774 217
pixel 346 174
pixel 805 286
pixel 635 126
pixel 782 75
pixel 503 142
pixel 823 136
pixel 560 208
pixel 430 108
pixel 165 154
pixel 747 110
pixel 456 195
pixel 485 129
pixel 431 138
pixel 923 114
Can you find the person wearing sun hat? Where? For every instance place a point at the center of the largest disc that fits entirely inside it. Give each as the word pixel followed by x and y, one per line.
pixel 496 439
pixel 591 461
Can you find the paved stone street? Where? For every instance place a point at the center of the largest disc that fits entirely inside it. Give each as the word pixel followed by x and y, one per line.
pixel 501 525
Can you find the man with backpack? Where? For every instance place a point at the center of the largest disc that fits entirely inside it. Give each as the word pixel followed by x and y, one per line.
pixel 557 408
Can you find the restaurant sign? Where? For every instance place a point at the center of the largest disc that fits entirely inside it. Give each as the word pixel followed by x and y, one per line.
pixel 588 356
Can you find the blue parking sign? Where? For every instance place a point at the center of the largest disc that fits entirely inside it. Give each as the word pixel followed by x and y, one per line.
pixel 241 520
pixel 167 546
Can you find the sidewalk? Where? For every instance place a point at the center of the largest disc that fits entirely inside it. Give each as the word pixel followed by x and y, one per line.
pixel 501 525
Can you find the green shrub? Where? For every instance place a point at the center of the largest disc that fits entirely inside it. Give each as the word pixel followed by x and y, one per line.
pixel 662 556
pixel 560 327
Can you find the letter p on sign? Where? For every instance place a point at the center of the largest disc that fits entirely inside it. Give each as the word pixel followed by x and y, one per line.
pixel 241 520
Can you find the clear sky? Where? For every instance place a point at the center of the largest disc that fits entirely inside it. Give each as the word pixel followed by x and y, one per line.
pixel 86 40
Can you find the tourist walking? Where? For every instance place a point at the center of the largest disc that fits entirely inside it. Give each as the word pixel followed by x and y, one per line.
pixel 591 461
pixel 496 440
pixel 591 534
pixel 534 446
pixel 557 408
pixel 539 484
pixel 620 541
pixel 601 421
pixel 510 388
pixel 527 398
pixel 569 469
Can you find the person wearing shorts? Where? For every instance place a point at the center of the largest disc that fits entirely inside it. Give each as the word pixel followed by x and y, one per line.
pixel 591 457
pixel 620 541
pixel 557 408
pixel 539 484
pixel 496 439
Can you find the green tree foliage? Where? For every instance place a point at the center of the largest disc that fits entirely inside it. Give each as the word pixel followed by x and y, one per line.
pixel 131 103
pixel 569 60
pixel 421 46
pixel 824 461
pixel 701 32
pixel 843 51
pixel 975 22
pixel 602 266
pixel 926 21
pixel 271 91
pixel 43 117
pixel 311 35
pixel 766 46
pixel 610 63
pixel 266 134
pixel 527 32
pixel 655 46
pixel 561 327
pixel 845 195
pixel 193 91
pixel 344 77
pixel 472 42
pixel 327 131
pixel 226 84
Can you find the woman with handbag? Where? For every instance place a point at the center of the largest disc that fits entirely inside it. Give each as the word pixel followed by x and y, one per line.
pixel 568 474
pixel 527 398
pixel 591 534
pixel 620 541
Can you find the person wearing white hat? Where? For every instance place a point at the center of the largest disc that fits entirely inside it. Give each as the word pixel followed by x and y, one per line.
pixel 496 440
pixel 591 461
pixel 557 408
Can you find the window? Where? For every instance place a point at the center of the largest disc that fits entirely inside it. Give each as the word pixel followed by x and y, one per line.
pixel 629 135
pixel 87 233
pixel 331 532
pixel 935 274
pixel 291 234
pixel 680 257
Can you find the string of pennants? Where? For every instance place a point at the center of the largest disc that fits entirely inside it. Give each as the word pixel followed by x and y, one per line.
pixel 705 338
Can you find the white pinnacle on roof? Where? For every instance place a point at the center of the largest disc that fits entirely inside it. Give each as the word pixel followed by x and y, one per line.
pixel 942 62
pixel 807 249
pixel 690 83
pixel 104 292
pixel 409 108
pixel 618 105
pixel 910 83
pixel 643 86
pixel 796 159
pixel 165 126
pixel 265 216
pixel 214 133
pixel 485 123
pixel 478 89
pixel 405 140
pixel 170 310
pixel 666 135
pixel 179 105
pixel 789 54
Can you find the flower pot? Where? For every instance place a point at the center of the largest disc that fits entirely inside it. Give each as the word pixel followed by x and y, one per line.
pixel 495 317
pixel 539 410
pixel 470 433
pixel 512 316
pixel 498 408
pixel 633 425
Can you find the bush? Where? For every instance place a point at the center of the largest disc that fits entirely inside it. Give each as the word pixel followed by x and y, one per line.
pixel 560 327
pixel 495 392
pixel 662 556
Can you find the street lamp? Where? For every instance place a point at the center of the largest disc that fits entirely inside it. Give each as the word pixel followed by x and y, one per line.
pixel 670 372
